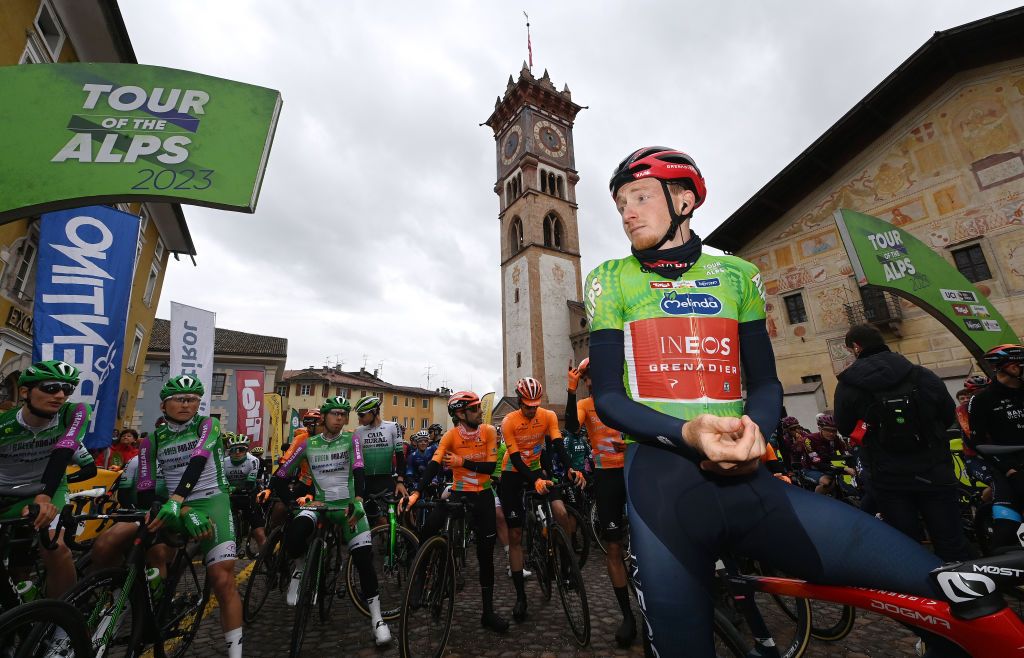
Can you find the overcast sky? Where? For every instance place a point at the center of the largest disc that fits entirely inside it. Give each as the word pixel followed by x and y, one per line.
pixel 376 231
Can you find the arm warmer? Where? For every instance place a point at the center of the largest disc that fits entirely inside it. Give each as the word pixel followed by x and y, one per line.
pixel 191 476
pixel 572 420
pixel 484 468
pixel 56 466
pixel 399 463
pixel 616 409
pixel 764 390
pixel 517 460
pixel 359 475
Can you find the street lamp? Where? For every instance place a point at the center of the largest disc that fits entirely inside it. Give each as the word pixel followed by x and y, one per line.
pixel 165 369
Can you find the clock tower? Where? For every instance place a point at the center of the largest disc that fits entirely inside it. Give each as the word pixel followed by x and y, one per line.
pixel 540 248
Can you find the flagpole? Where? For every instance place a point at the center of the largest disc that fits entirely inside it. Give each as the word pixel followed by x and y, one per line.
pixel 529 44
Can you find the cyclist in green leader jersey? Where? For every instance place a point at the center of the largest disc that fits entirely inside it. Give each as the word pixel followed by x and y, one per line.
pixel 37 443
pixel 671 327
pixel 189 451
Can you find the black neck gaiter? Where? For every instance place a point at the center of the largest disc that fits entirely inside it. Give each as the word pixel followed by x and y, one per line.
pixel 670 263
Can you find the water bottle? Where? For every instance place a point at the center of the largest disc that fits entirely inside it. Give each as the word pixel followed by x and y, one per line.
pixel 27 591
pixel 156 583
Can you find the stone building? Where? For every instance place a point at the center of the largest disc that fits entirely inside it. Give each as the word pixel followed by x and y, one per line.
pixel 937 149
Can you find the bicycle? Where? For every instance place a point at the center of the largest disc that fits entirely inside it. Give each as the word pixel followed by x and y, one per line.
pixel 394 547
pixel 972 612
pixel 241 503
pixel 30 628
pixel 270 571
pixel 576 507
pixel 319 583
pixel 548 551
pixel 431 591
pixel 168 618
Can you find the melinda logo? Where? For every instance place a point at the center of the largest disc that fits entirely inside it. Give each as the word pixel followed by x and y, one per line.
pixel 690 302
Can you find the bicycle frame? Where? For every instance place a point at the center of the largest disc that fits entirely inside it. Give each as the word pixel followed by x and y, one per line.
pixel 996 635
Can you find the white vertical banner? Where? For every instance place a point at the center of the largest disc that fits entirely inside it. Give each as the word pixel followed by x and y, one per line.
pixel 192 335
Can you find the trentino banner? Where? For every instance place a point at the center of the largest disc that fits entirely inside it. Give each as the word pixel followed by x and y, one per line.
pixel 193 332
pixel 250 408
pixel 83 285
pixel 97 133
pixel 888 257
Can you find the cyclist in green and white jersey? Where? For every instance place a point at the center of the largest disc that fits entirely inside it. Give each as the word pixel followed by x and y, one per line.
pixel 242 469
pixel 188 449
pixel 383 454
pixel 335 463
pixel 37 443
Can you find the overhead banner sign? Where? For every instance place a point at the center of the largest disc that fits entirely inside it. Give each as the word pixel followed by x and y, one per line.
pixel 250 407
pixel 193 332
pixel 487 406
pixel 890 258
pixel 83 285
pixel 97 133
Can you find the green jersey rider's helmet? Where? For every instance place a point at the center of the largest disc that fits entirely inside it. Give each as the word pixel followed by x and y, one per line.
pixel 182 385
pixel 337 402
pixel 367 404
pixel 237 440
pixel 48 371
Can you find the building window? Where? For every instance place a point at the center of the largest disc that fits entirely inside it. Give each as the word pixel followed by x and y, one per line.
pixel 282 390
pixel 515 300
pixel 158 253
pixel 305 389
pixel 426 403
pixel 519 359
pixel 362 394
pixel 423 424
pixel 219 380
pixel 49 29
pixel 133 356
pixel 346 393
pixel 971 263
pixel 795 308
pixel 552 231
pixel 394 400
pixel 217 416
pixel 516 234
pixel 31 54
pixel 810 379
pixel 394 419
pixel 327 390
pixel 26 267
pixel 407 402
pixel 154 274
pixel 551 183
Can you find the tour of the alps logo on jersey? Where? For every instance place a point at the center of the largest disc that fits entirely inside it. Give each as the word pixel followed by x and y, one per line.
pixel 684 283
pixel 686 303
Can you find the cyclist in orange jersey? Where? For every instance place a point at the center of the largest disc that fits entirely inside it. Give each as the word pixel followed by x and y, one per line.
pixel 526 431
pixel 470 450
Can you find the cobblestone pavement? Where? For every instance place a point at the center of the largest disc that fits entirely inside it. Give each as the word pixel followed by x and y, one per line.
pixel 544 635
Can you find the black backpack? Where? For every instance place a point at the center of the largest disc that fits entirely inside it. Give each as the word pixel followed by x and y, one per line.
pixel 902 424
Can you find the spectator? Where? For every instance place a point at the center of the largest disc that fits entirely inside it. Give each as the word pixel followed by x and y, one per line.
pixel 911 469
pixel 123 450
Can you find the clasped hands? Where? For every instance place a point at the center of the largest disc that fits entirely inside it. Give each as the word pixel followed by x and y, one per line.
pixel 729 446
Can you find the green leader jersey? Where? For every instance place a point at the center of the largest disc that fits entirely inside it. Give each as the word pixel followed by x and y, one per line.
pixel 680 336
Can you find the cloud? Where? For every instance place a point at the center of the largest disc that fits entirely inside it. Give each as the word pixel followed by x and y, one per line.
pixel 376 231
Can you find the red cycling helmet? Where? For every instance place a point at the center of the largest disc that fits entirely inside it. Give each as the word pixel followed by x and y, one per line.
pixel 462 400
pixel 1001 355
pixel 666 164
pixel 529 391
pixel 976 382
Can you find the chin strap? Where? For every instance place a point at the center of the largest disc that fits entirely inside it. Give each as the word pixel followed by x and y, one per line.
pixel 677 219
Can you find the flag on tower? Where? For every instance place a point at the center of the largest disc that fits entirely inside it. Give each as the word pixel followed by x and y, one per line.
pixel 529 44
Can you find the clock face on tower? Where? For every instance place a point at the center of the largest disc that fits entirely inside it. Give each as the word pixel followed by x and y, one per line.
pixel 510 147
pixel 549 138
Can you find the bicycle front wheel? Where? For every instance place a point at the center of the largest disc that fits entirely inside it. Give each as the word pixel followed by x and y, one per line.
pixel 308 589
pixel 570 586
pixel 264 576
pixel 728 641
pixel 180 613
pixel 110 612
pixel 392 570
pixel 537 556
pixel 30 631
pixel 429 602
pixel 332 567
pixel 580 538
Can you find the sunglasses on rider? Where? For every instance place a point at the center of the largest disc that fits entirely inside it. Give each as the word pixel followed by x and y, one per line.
pixel 51 388
pixel 183 399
